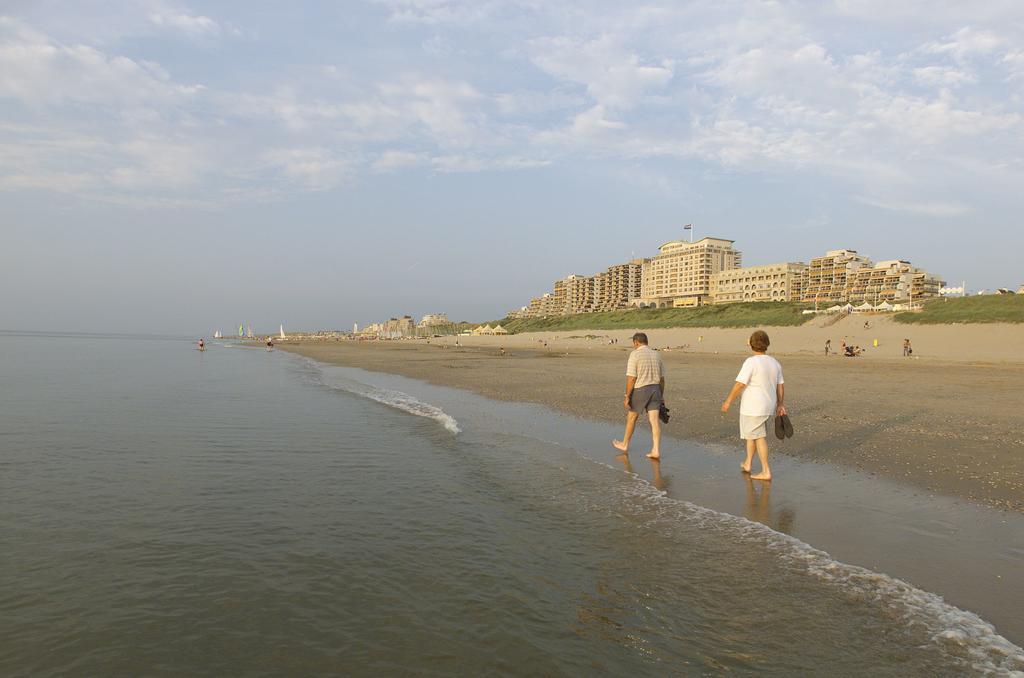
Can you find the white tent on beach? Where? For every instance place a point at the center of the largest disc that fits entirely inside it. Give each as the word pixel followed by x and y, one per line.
pixel 498 329
pixel 884 306
pixel 834 309
pixel 866 306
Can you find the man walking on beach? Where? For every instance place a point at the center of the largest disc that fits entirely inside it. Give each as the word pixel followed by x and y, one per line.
pixel 645 388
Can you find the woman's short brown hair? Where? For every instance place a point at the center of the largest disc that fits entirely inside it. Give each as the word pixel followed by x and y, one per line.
pixel 759 341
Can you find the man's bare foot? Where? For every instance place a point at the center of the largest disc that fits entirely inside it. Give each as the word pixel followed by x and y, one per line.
pixel 762 476
pixel 654 455
pixel 619 445
pixel 744 468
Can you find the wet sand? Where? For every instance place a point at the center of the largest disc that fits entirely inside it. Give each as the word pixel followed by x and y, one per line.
pixel 947 427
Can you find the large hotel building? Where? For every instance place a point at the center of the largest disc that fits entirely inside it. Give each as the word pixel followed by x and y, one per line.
pixel 709 271
pixel 680 274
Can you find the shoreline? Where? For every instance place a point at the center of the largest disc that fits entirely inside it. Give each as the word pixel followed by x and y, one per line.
pixel 950 428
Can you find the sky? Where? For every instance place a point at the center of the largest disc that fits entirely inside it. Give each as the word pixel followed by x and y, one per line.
pixel 174 167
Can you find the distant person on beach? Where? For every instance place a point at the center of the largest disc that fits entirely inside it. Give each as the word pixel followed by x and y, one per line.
pixel 270 343
pixel 202 345
pixel 907 349
pixel 761 383
pixel 645 389
pixel 828 346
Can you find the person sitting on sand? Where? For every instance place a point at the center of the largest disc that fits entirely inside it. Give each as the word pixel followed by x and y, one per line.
pixel 645 389
pixel 761 383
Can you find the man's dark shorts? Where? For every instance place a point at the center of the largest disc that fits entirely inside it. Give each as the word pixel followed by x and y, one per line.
pixel 646 398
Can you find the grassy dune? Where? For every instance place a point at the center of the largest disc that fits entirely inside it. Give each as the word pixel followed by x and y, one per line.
pixel 1002 308
pixel 762 314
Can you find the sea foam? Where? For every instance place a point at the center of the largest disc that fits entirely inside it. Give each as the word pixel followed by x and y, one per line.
pixel 395 399
pixel 965 638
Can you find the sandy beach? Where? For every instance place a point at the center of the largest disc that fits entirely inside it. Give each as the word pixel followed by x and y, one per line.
pixel 947 421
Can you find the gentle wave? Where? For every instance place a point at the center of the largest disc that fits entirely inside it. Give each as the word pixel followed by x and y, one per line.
pixel 963 636
pixel 396 399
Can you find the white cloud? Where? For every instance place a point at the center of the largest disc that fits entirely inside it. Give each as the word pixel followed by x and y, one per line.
pixel 966 42
pixel 191 24
pixel 1013 61
pixel 433 12
pixel 389 161
pixel 591 128
pixel 753 87
pixel 929 208
pixel 35 70
pixel 942 76
pixel 613 76
pixel 463 163
pixel 310 168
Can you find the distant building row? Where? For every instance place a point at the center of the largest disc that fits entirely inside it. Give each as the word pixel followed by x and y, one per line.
pixel 405 326
pixel 710 271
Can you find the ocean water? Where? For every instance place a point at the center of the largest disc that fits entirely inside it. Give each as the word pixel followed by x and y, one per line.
pixel 239 512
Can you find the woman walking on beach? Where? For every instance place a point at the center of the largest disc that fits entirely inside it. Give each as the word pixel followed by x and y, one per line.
pixel 761 383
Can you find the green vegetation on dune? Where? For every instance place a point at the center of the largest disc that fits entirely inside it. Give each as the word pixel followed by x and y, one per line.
pixel 763 314
pixel 996 308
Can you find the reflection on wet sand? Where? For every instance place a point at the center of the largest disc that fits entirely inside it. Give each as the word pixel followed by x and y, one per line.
pixel 759 507
pixel 657 479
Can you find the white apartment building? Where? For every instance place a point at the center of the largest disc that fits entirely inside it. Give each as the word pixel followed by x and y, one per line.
pixel 772 282
pixel 434 319
pixel 893 281
pixel 618 285
pixel 579 294
pixel 828 279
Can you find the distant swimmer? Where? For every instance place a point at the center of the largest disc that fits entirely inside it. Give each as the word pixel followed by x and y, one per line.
pixel 202 344
pixel 270 343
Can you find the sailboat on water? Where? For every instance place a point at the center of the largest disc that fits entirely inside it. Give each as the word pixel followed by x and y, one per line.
pixel 217 335
pixel 248 331
pixel 282 332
